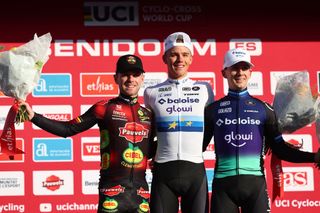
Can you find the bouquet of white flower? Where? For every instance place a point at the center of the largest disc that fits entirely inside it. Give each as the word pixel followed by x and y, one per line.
pixel 20 70
pixel 293 102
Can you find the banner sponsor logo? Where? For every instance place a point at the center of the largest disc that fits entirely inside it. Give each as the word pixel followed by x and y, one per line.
pixel 90 182
pixel 55 112
pixel 12 183
pixel 17 157
pixel 254 45
pixel 119 47
pixel 298 179
pixel 53 85
pixel 45 207
pixel 3 115
pixel 98 85
pixel 52 149
pixel 90 149
pixel 53 182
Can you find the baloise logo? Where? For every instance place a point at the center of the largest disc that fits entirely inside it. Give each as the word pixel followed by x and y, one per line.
pixel 176 108
pixel 179 100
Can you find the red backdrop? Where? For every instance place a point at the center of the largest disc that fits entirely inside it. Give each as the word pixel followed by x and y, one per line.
pixel 58 174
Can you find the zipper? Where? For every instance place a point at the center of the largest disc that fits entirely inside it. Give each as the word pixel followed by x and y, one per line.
pixel 179 124
pixel 134 140
pixel 237 132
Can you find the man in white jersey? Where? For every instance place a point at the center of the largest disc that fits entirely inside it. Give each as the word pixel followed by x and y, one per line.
pixel 178 105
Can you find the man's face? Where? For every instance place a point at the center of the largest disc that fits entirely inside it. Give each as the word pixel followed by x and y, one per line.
pixel 178 60
pixel 238 75
pixel 129 82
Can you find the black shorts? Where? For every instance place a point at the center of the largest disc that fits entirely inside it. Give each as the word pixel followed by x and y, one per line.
pixel 246 191
pixel 124 197
pixel 179 179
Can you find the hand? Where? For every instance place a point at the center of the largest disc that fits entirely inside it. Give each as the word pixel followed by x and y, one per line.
pixel 151 164
pixel 317 159
pixel 28 108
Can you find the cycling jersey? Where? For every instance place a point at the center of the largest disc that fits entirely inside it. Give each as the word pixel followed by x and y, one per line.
pixel 243 127
pixel 178 106
pixel 125 133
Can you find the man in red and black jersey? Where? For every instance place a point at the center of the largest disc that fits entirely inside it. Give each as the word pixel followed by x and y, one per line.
pixel 126 140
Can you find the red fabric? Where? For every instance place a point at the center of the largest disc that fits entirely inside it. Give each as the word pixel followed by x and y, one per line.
pixel 8 136
pixel 277 177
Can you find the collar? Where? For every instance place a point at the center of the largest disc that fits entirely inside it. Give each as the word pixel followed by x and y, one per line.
pixel 178 81
pixel 238 93
pixel 128 99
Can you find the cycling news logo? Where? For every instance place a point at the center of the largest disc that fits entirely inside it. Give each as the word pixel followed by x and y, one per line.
pixel 90 149
pixel 55 112
pixel 17 157
pixel 52 149
pixel 111 13
pixel 12 183
pixel 3 116
pixel 133 132
pixel 53 182
pixel 254 46
pixel 90 182
pixel 98 85
pixel 45 207
pixel 53 85
pixel 298 179
pixel 209 77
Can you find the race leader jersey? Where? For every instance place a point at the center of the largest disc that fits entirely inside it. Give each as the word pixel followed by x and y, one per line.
pixel 178 106
pixel 243 127
pixel 125 133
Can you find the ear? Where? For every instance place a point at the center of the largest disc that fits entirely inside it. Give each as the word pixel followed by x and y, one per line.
pixel 164 58
pixel 224 72
pixel 115 78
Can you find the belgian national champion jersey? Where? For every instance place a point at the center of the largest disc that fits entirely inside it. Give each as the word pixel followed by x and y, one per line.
pixel 125 135
pixel 178 106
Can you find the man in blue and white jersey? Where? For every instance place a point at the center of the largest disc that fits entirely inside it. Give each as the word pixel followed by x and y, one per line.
pixel 243 127
pixel 178 105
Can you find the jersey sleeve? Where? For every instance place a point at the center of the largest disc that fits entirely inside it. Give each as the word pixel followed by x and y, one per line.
pixel 67 128
pixel 275 141
pixel 208 126
pixel 210 94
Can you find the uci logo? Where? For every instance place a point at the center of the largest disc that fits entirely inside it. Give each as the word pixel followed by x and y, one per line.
pixel 111 14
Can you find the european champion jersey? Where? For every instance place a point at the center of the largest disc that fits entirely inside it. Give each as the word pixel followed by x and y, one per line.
pixel 178 106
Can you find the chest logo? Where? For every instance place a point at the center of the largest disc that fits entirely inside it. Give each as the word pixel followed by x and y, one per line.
pixel 133 132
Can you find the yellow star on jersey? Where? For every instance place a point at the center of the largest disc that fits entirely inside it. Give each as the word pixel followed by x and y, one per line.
pixel 173 125
pixel 189 123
